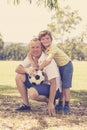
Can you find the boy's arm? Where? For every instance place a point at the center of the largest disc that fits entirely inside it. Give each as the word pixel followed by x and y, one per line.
pixel 46 62
pixel 33 62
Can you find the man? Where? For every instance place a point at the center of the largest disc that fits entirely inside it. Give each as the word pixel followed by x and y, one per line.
pixel 48 90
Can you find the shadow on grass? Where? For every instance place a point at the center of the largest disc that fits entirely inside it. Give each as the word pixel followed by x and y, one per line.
pixel 79 96
pixel 7 89
pixel 76 96
pixel 10 99
pixel 79 102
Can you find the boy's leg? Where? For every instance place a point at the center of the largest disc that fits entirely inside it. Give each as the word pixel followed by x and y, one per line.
pixel 67 94
pixel 67 101
pixel 64 95
pixel 66 76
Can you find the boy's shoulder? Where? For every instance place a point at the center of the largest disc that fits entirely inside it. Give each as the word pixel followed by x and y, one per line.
pixel 54 47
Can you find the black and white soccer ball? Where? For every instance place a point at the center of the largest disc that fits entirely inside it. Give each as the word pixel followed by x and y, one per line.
pixel 38 78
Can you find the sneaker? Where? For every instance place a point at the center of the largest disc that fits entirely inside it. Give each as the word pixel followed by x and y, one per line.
pixel 59 108
pixel 66 110
pixel 23 108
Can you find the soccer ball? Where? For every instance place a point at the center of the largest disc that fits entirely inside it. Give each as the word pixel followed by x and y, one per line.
pixel 38 78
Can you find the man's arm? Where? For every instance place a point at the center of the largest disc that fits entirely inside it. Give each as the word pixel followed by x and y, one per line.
pixel 20 69
pixel 51 107
pixel 25 67
pixel 52 74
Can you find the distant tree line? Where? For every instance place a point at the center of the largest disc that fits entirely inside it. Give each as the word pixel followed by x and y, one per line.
pixel 75 48
pixel 12 51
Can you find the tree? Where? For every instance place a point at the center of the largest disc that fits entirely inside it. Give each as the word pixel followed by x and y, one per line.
pixel 1 46
pixel 17 1
pixel 63 22
pixel 75 48
pixel 1 43
pixel 50 3
pixel 15 52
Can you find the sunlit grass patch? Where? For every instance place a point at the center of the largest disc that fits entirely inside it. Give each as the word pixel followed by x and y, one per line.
pixel 38 118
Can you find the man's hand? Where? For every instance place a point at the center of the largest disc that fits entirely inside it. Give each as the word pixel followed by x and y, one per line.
pixel 51 109
pixel 34 65
pixel 41 67
pixel 31 71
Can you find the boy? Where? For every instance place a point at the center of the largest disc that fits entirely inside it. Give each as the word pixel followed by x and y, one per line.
pixel 65 67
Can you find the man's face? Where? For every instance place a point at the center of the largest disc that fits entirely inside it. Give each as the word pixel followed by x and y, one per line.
pixel 36 49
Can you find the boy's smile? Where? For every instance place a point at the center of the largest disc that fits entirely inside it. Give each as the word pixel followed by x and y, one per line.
pixel 46 41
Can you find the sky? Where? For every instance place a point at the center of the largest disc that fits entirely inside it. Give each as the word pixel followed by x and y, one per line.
pixel 22 22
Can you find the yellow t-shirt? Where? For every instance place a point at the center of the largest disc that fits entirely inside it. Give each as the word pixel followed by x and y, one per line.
pixel 59 56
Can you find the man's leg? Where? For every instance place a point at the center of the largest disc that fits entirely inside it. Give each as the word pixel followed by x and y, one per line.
pixel 34 95
pixel 21 88
pixel 23 91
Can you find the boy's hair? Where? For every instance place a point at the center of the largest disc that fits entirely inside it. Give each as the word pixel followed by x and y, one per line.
pixel 44 33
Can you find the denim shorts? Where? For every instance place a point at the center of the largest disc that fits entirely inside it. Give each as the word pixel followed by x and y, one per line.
pixel 66 73
pixel 42 89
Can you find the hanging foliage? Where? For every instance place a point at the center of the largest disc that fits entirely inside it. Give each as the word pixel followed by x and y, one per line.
pixel 50 3
pixel 18 1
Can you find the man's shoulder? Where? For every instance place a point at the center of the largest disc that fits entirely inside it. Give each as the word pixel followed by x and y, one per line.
pixel 26 62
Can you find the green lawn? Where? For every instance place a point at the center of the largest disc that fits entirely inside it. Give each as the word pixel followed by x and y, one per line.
pixel 38 118
pixel 7 74
pixel 80 76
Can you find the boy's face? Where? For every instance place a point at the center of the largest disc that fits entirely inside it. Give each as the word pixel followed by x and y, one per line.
pixel 36 49
pixel 46 41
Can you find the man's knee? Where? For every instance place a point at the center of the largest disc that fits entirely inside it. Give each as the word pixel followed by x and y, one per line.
pixel 19 77
pixel 33 94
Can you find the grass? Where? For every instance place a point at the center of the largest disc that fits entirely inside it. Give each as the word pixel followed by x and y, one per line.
pixel 38 118
pixel 80 75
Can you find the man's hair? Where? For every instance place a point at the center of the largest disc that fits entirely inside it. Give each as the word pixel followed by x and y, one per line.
pixel 44 33
pixel 34 39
